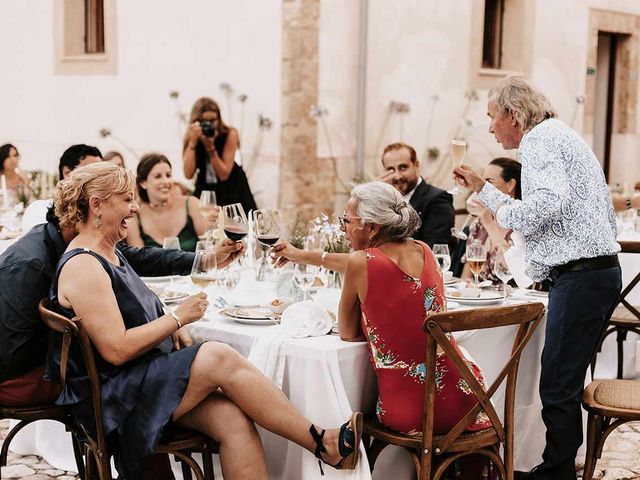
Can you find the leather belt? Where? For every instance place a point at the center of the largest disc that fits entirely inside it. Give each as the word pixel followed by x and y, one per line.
pixel 595 263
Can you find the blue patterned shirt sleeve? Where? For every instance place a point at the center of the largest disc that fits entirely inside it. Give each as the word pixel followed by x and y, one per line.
pixel 566 212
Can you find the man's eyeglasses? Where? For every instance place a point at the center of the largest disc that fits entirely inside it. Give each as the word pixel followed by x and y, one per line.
pixel 346 219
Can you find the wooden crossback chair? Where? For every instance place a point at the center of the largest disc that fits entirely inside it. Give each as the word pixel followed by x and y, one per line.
pixel 610 404
pixel 27 415
pixel 433 454
pixel 177 441
pixel 625 318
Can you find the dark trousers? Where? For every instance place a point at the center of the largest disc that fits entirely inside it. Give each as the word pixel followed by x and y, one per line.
pixel 580 305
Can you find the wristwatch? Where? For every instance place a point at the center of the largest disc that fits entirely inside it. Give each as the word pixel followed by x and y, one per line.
pixel 627 203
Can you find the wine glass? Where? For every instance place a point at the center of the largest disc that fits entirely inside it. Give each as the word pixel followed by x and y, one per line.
pixel 304 276
pixel 442 256
pixel 208 206
pixel 171 243
pixel 203 271
pixel 266 225
pixel 502 271
pixel 458 151
pixel 476 255
pixel 234 222
pixel 461 233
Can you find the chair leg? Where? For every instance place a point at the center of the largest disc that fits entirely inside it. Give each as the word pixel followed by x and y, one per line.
pixel 77 453
pixel 5 445
pixel 594 429
pixel 207 463
pixel 620 339
pixel 186 470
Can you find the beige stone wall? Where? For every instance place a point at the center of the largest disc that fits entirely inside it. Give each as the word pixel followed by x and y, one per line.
pixel 306 181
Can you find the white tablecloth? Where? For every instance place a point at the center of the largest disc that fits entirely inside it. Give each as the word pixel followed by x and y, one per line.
pixel 326 379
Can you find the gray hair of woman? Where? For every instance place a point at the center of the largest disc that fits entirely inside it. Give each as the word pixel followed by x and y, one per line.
pixel 101 180
pixel 381 204
pixel 515 95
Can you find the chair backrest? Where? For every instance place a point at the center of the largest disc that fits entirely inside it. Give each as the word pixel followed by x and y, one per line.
pixel 526 317
pixel 71 329
pixel 630 247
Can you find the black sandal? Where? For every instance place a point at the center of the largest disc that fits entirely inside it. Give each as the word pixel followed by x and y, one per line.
pixel 348 443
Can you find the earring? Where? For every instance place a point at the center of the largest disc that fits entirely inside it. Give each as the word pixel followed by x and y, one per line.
pixel 97 222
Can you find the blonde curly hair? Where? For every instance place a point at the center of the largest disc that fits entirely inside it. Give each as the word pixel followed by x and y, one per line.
pixel 101 179
pixel 515 94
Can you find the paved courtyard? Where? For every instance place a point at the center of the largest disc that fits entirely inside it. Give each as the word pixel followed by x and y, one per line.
pixel 620 460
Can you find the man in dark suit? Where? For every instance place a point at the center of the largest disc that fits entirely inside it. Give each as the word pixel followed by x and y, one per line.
pixel 435 206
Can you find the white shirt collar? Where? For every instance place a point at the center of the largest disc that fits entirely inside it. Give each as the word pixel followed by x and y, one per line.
pixel 408 196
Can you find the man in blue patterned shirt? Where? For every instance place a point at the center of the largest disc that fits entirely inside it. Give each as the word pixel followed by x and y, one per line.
pixel 567 219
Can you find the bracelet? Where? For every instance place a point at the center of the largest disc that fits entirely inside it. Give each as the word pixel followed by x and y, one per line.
pixel 175 317
pixel 322 258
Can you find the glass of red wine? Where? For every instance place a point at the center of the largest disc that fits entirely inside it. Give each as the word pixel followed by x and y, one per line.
pixel 266 225
pixel 234 222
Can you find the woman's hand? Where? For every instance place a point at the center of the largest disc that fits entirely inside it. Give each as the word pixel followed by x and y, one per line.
pixel 466 177
pixel 192 308
pixel 209 145
pixel 479 210
pixel 284 253
pixel 181 339
pixel 194 132
pixel 227 251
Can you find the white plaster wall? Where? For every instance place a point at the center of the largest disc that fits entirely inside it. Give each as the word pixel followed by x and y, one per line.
pixel 418 49
pixel 190 46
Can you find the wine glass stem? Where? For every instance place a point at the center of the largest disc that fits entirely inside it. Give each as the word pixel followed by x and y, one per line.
pixel 504 292
pixel 475 279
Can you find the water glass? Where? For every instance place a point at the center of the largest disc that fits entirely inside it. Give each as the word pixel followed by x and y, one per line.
pixel 442 256
pixel 304 275
pixel 502 271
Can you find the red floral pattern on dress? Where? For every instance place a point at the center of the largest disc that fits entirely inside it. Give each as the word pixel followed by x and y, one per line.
pixel 392 318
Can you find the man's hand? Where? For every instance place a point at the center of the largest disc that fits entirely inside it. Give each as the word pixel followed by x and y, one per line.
pixel 466 177
pixel 181 339
pixel 479 210
pixel 386 176
pixel 227 251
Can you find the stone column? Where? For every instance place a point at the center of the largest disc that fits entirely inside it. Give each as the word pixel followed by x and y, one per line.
pixel 306 182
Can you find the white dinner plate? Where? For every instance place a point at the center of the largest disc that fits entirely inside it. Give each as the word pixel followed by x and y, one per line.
pixel 163 279
pixel 251 315
pixel 173 297
pixel 486 298
pixel 451 281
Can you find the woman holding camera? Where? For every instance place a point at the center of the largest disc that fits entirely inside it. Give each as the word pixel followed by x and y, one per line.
pixel 209 149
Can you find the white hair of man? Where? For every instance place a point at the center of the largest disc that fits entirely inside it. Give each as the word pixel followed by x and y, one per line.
pixel 381 204
pixel 515 95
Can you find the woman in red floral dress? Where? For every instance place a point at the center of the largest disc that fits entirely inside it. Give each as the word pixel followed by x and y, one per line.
pixel 391 285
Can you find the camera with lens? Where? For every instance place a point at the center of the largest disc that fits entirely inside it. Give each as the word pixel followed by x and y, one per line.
pixel 207 129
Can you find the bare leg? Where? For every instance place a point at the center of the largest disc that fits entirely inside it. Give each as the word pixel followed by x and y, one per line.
pixel 217 365
pixel 241 453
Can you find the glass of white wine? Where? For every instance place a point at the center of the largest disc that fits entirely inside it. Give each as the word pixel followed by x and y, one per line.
pixel 203 271
pixel 458 152
pixel 476 255
pixel 208 207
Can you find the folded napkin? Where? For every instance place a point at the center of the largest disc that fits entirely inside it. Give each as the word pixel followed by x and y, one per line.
pixel 303 319
pixel 515 260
